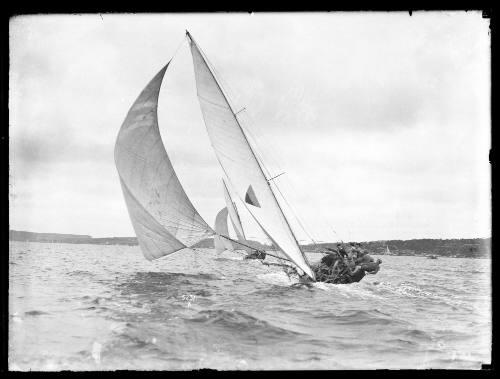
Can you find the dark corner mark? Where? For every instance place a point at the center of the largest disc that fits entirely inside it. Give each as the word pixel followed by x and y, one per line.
pixel 486 13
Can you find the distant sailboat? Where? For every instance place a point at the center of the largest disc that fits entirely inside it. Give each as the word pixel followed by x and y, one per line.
pixel 387 251
pixel 163 217
pixel 220 243
pixel 235 217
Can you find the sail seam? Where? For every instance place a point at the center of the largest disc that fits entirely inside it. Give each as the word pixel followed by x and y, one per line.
pixel 211 102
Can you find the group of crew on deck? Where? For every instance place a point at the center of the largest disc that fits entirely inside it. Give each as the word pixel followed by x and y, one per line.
pixel 345 264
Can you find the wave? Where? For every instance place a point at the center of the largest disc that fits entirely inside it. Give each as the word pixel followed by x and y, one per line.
pixel 361 317
pixel 80 273
pixel 414 334
pixel 354 290
pixel 170 277
pixel 164 284
pixel 242 323
pixel 454 363
pixel 135 341
pixel 35 313
pixel 278 278
pixel 222 259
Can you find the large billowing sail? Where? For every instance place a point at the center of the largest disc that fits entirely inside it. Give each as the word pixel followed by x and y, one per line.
pixel 221 243
pixel 235 217
pixel 239 162
pixel 163 217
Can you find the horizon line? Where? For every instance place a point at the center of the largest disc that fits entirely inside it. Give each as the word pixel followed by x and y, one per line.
pixel 319 242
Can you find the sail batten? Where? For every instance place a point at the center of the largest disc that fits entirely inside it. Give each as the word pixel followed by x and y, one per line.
pixel 163 217
pixel 239 162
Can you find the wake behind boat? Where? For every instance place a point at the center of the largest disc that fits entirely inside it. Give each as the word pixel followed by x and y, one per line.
pixel 165 220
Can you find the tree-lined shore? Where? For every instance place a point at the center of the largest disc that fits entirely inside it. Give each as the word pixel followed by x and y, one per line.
pixel 461 248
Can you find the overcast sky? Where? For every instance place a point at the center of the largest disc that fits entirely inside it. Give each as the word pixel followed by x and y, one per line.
pixel 381 121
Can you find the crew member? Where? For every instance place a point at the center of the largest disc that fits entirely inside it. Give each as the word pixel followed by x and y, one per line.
pixel 341 250
pixel 372 267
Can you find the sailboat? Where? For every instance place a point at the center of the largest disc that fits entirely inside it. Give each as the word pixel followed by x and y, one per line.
pixel 221 240
pixel 163 217
pixel 387 251
pixel 220 243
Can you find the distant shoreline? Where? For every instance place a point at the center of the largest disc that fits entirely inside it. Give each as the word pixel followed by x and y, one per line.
pixel 456 248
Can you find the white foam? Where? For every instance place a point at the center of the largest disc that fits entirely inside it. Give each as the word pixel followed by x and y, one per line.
pixel 14 367
pixel 96 352
pixel 17 319
pixel 347 290
pixel 279 278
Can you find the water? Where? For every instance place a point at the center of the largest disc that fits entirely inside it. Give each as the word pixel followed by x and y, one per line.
pixel 92 307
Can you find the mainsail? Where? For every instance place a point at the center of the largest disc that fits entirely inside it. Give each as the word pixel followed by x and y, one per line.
pixel 239 162
pixel 221 243
pixel 163 217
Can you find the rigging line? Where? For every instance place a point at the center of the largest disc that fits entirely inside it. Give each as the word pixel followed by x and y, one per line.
pixel 292 209
pixel 259 156
pixel 274 177
pixel 238 242
pixel 295 215
pixel 234 251
pixel 225 86
pixel 280 259
pixel 203 56
pixel 257 150
pixel 253 248
pixel 318 209
pixel 179 46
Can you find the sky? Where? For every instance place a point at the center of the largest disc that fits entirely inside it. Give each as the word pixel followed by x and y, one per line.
pixel 380 121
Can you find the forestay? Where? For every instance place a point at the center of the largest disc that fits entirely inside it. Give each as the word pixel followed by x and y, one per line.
pixel 163 217
pixel 239 162
pixel 221 243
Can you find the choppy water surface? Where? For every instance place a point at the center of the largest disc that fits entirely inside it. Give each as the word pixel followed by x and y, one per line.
pixel 91 307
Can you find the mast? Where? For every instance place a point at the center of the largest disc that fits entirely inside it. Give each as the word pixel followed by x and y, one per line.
pixel 234 115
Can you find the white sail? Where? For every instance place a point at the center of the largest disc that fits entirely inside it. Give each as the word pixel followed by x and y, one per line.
pixel 240 164
pixel 235 217
pixel 221 243
pixel 162 215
